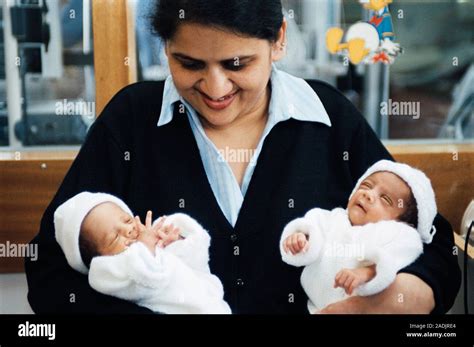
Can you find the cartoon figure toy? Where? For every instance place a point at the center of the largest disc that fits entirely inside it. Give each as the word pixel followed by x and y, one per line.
pixel 368 42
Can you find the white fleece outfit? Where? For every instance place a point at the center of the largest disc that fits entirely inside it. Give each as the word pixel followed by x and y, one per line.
pixel 334 244
pixel 176 280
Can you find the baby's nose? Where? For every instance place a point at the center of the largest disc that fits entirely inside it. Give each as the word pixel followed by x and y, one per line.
pixel 130 231
pixel 369 196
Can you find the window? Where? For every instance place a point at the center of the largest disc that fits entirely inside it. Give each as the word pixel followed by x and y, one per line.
pixel 47 96
pixel 427 93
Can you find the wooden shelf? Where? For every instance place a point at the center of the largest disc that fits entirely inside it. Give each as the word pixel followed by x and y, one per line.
pixel 38 155
pixel 459 241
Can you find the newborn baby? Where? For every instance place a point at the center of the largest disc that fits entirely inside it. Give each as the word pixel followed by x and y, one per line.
pixel 360 249
pixel 162 266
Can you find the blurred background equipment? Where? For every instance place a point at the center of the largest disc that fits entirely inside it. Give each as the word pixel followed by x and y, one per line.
pixel 46 56
pixel 34 63
pixel 459 124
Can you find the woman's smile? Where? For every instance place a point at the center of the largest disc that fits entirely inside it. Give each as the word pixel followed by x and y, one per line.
pixel 220 103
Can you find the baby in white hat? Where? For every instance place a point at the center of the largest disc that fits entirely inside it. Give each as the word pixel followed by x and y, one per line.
pixel 360 249
pixel 163 266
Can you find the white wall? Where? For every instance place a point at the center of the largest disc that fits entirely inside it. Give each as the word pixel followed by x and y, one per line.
pixel 13 290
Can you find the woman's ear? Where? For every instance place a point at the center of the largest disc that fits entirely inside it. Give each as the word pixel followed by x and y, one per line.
pixel 279 46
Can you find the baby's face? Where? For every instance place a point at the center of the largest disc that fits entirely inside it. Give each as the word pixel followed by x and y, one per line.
pixel 381 196
pixel 109 228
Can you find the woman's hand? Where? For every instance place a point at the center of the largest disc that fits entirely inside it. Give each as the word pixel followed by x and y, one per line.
pixel 408 294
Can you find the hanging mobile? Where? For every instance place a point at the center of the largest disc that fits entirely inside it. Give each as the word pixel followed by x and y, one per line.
pixel 367 42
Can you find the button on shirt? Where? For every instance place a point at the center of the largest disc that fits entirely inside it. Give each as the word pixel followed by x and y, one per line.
pixel 291 97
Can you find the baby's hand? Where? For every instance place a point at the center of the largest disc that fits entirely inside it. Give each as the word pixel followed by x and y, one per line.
pixel 167 234
pixel 146 232
pixel 143 228
pixel 350 279
pixel 296 243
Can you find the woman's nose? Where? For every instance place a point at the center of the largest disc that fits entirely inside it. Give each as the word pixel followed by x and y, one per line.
pixel 216 84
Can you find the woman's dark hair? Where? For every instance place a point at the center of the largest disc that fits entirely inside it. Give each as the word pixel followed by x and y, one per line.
pixel 410 216
pixel 253 18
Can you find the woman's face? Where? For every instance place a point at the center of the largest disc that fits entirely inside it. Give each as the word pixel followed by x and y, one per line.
pixel 222 75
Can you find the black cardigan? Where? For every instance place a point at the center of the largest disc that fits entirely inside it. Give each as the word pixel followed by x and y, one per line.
pixel 302 165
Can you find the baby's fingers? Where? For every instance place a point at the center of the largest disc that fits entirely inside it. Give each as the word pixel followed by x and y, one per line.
pixel 353 286
pixel 347 283
pixel 289 244
pixel 138 223
pixel 172 236
pixel 148 220
pixel 295 244
pixel 340 278
pixel 176 233
pixel 161 234
pixel 301 238
pixel 159 223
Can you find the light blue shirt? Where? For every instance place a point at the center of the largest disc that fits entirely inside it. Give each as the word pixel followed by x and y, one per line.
pixel 291 97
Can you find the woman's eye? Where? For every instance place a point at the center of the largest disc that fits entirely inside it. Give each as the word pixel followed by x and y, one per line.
pixel 191 65
pixel 233 66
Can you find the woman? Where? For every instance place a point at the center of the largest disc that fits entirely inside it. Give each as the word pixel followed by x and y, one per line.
pixel 176 147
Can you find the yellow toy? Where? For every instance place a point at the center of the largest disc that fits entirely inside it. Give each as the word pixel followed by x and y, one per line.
pixel 367 42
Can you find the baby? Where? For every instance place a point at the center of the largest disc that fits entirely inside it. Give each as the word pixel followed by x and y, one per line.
pixel 163 266
pixel 360 249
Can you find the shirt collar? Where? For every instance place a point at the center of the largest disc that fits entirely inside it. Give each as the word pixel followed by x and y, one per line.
pixel 170 97
pixel 291 97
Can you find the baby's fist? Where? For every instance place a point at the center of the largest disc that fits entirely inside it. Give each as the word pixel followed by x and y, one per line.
pixel 349 279
pixel 296 243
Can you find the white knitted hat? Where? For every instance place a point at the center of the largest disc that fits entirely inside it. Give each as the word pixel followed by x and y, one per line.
pixel 68 220
pixel 420 186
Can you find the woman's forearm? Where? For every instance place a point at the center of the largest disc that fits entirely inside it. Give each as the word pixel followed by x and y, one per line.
pixel 408 294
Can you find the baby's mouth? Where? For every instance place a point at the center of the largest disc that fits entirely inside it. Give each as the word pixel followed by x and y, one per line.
pixel 361 207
